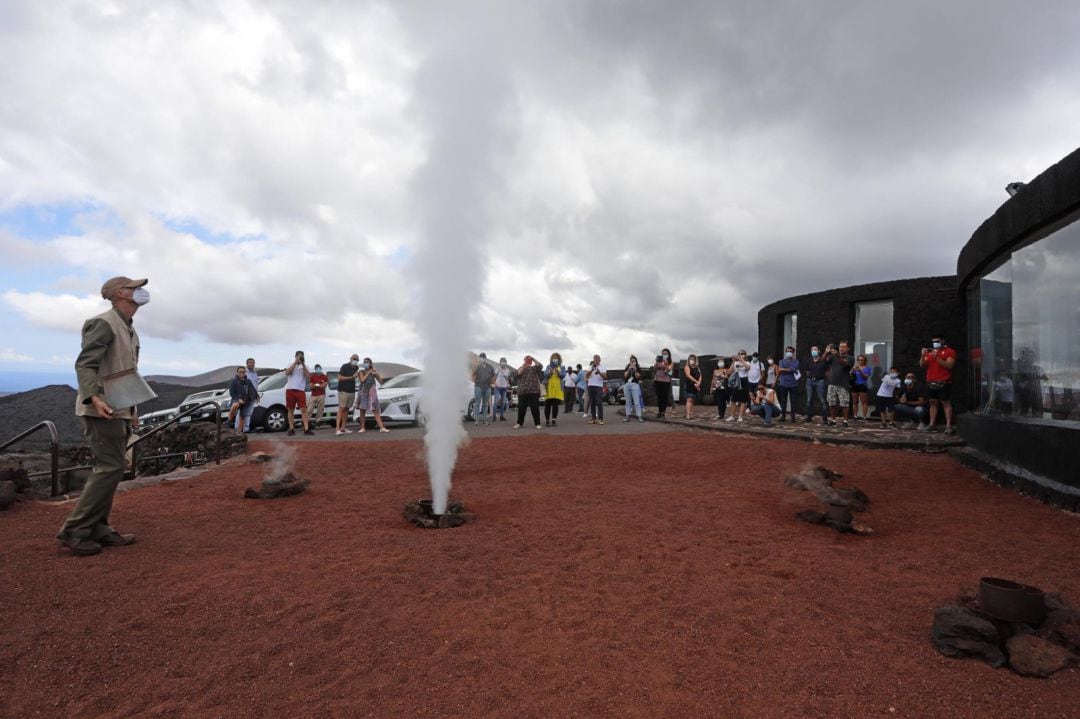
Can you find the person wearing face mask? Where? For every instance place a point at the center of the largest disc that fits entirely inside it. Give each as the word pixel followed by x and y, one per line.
pixel 243 397
pixel 530 375
pixel 719 387
pixel 692 377
pixel 346 392
pixel 787 382
pixel 770 372
pixel 886 396
pixel 739 386
pixel 553 389
pixel 503 376
pixel 939 362
pixel 367 394
pixel 298 376
pixel 662 370
pixel 860 388
pixel 597 375
pixel 911 405
pixel 753 376
pixel 815 385
pixel 632 389
pixel 317 406
pixel 110 390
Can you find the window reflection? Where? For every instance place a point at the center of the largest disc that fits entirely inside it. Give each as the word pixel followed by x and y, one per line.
pixel 1025 327
pixel 874 336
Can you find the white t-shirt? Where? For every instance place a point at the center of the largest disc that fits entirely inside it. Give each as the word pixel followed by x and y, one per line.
pixel 743 367
pixel 596 379
pixel 570 379
pixel 502 377
pixel 888 386
pixel 754 373
pixel 296 379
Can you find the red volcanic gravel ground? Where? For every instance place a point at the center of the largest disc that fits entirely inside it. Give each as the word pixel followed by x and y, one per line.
pixel 657 575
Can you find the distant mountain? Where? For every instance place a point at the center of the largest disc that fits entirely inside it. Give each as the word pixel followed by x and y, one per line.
pixel 219 376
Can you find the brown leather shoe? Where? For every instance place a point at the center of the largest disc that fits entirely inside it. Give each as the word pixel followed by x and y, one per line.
pixel 80 546
pixel 117 540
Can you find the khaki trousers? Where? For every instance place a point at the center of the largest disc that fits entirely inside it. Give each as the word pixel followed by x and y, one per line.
pixel 316 407
pixel 108 441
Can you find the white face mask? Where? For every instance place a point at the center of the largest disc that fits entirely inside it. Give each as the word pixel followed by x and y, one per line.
pixel 140 296
pixel 936 345
pixel 354 363
pixel 693 362
pixel 789 355
pixel 909 381
pixel 770 361
pixel 893 375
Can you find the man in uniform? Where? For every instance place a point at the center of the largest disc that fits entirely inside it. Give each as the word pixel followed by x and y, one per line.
pixel 110 349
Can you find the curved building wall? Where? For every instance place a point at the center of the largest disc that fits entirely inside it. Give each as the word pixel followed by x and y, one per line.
pixel 1020 277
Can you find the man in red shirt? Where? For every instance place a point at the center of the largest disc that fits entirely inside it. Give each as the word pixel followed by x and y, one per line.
pixel 317 408
pixel 939 362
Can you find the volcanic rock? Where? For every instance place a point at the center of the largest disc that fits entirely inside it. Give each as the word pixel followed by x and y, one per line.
pixel 1062 626
pixel 272 488
pixel 1033 656
pixel 419 515
pixel 959 632
pixel 7 494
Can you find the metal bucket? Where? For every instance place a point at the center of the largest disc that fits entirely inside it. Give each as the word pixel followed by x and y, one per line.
pixel 1011 601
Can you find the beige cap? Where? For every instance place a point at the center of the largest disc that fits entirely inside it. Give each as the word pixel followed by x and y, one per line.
pixel 119 283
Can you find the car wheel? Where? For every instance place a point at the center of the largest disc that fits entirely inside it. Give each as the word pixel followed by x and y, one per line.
pixel 419 419
pixel 469 410
pixel 275 420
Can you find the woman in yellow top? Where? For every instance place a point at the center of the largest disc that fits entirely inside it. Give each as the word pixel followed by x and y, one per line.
pixel 553 384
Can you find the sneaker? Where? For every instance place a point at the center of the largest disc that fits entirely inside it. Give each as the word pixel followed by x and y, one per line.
pixel 732 419
pixel 768 424
pixel 81 547
pixel 116 540
pixel 585 416
pixel 640 419
pixel 950 430
pixel 347 430
pixel 923 428
pixel 502 419
pixel 740 418
pixel 626 419
pixel 309 433
pixel 338 432
pixel 384 429
pixel 592 421
pixel 554 423
pixel 782 420
pixel 844 424
pixel 599 421
pixel 291 432
pixel 517 426
pixel 539 426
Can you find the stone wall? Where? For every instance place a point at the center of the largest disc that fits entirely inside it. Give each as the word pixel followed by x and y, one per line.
pixel 921 307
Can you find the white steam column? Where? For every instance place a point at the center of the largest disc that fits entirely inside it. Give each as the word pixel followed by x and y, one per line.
pixel 459 98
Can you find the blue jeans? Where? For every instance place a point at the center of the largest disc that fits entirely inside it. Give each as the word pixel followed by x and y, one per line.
pixel 909 413
pixel 786 395
pixel 632 392
pixel 815 387
pixel 481 402
pixel 768 411
pixel 245 414
pixel 502 401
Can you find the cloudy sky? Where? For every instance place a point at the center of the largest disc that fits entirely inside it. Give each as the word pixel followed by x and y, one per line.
pixel 614 176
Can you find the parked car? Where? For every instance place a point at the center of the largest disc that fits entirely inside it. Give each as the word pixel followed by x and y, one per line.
pixel 270 412
pixel 401 399
pixel 220 395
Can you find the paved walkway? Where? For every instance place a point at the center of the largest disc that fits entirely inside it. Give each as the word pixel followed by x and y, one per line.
pixel 868 433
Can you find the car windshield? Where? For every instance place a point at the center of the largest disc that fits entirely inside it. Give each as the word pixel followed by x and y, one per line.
pixel 403 380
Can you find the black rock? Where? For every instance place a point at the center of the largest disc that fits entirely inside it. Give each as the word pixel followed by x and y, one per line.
pixel 7 494
pixel 1033 656
pixel 959 632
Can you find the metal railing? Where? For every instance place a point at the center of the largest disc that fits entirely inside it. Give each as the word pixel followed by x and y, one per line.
pixel 54 445
pixel 54 450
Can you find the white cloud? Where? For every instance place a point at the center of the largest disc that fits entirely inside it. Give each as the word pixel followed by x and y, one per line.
pixel 8 354
pixel 662 177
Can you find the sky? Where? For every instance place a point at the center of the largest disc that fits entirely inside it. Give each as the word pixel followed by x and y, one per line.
pixel 649 174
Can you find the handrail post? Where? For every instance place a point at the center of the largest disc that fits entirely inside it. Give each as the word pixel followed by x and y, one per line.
pixel 217 446
pixel 54 448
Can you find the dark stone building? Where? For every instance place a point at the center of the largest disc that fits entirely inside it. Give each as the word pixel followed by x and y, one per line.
pixel 1012 312
pixel 889 322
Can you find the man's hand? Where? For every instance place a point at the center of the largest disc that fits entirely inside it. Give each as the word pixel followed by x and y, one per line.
pixel 101 407
pixel 134 419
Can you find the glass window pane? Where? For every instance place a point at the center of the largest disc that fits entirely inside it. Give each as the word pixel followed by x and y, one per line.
pixel 791 321
pixel 874 336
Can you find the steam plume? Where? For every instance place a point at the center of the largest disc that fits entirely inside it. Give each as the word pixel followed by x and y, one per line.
pixel 460 97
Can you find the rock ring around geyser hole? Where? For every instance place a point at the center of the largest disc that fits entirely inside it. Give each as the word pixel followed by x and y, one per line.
pixel 419 512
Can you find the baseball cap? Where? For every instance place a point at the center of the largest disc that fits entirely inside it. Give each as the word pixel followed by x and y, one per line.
pixel 109 289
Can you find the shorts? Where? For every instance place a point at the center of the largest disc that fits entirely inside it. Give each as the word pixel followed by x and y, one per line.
pixel 859 389
pixel 885 404
pixel 740 395
pixel 345 399
pixel 838 396
pixel 295 398
pixel 943 392
pixel 692 394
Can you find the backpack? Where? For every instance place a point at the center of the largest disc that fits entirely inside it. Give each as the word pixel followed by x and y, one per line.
pixel 734 381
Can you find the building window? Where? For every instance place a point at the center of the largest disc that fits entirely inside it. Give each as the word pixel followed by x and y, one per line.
pixel 1024 319
pixel 791 321
pixel 874 336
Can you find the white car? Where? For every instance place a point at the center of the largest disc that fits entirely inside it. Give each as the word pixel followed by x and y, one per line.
pixel 401 397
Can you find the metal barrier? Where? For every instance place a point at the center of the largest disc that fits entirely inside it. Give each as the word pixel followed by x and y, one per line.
pixel 54 444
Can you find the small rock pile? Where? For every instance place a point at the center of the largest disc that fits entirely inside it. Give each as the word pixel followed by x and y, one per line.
pixel 963 629
pixel 419 513
pixel 840 503
pixel 287 485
